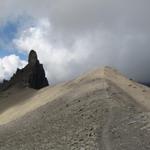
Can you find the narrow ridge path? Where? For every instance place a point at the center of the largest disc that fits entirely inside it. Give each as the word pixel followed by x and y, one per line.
pixel 105 133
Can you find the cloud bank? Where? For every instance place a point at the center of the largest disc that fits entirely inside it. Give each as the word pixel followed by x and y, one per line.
pixel 8 65
pixel 57 59
pixel 71 37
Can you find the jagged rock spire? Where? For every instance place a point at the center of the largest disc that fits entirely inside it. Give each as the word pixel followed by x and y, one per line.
pixel 32 75
pixel 32 59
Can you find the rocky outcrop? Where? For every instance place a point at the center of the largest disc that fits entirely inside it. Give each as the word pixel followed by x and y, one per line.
pixel 32 75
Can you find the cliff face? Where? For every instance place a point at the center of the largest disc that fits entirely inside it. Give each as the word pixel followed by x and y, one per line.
pixel 32 75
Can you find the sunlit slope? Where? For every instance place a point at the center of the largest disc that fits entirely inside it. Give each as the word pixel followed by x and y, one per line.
pixel 138 92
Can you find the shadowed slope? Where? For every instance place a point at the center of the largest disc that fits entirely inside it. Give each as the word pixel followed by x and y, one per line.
pixel 14 96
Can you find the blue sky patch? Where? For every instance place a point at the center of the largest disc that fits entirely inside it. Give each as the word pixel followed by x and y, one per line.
pixel 8 33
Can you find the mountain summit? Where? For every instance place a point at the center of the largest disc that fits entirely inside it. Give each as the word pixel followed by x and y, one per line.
pixel 32 75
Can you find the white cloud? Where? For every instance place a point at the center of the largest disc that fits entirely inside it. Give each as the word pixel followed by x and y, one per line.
pixel 9 64
pixel 58 60
pixel 78 35
pixel 65 57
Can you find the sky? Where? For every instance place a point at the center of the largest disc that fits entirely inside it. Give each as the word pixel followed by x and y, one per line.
pixel 73 36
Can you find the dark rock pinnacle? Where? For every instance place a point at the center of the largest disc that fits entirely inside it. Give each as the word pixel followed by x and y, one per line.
pixel 32 75
pixel 32 60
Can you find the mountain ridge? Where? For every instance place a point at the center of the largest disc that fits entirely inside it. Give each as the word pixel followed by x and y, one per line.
pixel 96 111
pixel 49 94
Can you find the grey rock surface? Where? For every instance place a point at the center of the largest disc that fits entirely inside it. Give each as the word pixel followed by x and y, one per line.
pixel 106 118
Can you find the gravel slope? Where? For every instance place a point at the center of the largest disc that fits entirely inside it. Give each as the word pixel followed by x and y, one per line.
pixel 93 114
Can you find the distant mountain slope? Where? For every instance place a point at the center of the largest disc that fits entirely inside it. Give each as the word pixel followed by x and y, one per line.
pixel 100 110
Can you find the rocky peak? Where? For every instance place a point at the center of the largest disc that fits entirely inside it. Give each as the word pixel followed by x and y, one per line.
pixel 32 75
pixel 32 60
